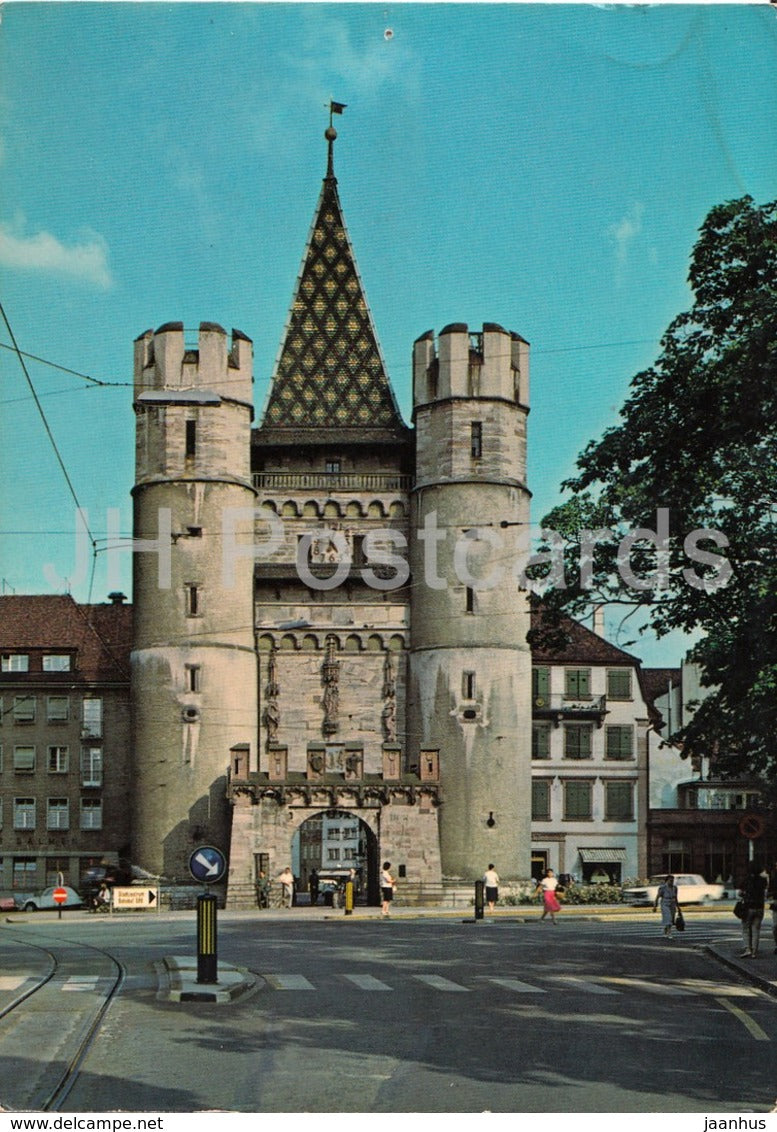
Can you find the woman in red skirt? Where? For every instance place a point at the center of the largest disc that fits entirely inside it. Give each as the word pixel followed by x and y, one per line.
pixel 547 887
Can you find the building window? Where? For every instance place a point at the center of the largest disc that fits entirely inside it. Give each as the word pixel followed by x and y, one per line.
pixel 577 683
pixel 619 741
pixel 578 740
pixel 540 686
pixel 476 440
pixel 24 709
pixel 468 685
pixel 24 813
pixel 676 858
pixel 1 760
pixel 333 854
pixel 540 741
pixel 578 800
pixel 333 467
pixel 24 760
pixel 469 600
pixel 192 598
pixel 25 874
pixel 618 683
pixel 58 760
pixel 93 719
pixel 56 662
pixel 193 678
pixel 91 766
pixel 540 799
pixel 91 813
pixel 57 709
pixel 619 801
pixel 57 813
pixel 191 439
pixel 15 662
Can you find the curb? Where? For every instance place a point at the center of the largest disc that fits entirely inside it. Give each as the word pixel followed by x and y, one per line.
pixel 768 986
pixel 177 975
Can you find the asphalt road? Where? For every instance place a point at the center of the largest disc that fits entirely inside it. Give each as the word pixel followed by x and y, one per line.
pixel 425 1015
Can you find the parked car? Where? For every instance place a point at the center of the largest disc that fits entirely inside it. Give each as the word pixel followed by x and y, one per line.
pixel 7 903
pixel 691 889
pixel 35 902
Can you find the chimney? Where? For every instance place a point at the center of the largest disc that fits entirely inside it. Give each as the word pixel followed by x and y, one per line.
pixel 117 598
pixel 598 621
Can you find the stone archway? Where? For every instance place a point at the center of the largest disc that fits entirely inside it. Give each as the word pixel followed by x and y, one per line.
pixel 333 841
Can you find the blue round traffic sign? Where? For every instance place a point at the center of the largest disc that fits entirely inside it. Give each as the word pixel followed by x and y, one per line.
pixel 207 864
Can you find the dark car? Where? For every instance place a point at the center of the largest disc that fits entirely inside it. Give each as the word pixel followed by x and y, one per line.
pixel 92 880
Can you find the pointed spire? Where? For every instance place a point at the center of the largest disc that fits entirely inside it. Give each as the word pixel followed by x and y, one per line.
pixel 330 372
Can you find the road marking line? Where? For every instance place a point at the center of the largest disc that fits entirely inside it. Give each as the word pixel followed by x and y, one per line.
pixel 439 983
pixel 587 985
pixel 750 1023
pixel 12 982
pixel 643 984
pixel 517 985
pixel 704 986
pixel 367 982
pixel 288 982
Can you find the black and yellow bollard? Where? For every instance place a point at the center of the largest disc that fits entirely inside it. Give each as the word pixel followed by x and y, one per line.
pixel 480 889
pixel 349 887
pixel 207 953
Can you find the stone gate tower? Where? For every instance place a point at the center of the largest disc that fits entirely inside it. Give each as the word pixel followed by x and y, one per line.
pixel 470 664
pixel 194 677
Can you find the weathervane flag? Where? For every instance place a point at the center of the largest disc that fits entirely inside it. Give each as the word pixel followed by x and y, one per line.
pixel 337 107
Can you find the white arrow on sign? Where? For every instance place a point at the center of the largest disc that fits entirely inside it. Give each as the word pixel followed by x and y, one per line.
pixel 211 867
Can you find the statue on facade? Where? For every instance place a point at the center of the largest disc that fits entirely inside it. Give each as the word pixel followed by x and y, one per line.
pixel 330 677
pixel 272 713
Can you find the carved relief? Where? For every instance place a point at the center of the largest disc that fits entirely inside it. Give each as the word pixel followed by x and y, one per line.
pixel 389 713
pixel 272 714
pixel 330 678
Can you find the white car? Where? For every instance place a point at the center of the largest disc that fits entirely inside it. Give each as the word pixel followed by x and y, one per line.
pixel 691 889
pixel 33 902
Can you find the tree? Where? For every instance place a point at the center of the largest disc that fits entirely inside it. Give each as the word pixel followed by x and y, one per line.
pixel 696 451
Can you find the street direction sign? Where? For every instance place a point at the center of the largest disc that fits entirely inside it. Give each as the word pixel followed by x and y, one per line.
pixel 135 897
pixel 207 864
pixel 60 895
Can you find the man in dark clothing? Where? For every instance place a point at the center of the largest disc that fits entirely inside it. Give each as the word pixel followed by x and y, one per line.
pixel 754 897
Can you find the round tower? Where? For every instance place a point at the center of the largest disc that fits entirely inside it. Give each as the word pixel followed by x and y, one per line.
pixel 470 664
pixel 194 675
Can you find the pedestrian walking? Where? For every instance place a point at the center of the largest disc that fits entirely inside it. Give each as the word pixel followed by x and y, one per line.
pixel 491 884
pixel 286 878
pixel 387 887
pixel 667 898
pixel 753 894
pixel 262 890
pixel 772 894
pixel 313 886
pixel 547 886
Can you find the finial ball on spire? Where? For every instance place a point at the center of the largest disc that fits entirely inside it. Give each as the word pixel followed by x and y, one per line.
pixel 330 133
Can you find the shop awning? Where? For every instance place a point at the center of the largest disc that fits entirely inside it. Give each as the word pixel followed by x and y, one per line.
pixel 601 856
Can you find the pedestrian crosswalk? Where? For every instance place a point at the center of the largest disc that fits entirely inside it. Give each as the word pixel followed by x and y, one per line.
pixel 610 985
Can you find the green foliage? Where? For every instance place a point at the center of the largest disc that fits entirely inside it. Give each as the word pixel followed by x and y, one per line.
pixel 572 894
pixel 698 437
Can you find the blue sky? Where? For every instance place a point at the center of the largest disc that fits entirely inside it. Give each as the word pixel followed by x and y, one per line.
pixel 545 167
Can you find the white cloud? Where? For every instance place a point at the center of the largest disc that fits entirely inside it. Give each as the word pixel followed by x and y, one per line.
pixel 624 233
pixel 86 259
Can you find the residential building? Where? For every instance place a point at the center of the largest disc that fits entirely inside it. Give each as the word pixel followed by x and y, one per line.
pixel 591 719
pixel 64 735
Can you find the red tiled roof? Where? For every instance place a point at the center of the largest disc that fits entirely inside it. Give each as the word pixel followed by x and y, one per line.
pixel 583 646
pixel 102 634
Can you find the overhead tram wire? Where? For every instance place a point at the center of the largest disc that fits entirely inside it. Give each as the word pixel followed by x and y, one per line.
pixel 53 442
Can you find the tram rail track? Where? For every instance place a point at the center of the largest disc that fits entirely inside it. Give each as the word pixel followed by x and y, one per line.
pixel 77 990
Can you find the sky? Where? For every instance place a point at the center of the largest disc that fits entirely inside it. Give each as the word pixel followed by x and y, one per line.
pixel 545 167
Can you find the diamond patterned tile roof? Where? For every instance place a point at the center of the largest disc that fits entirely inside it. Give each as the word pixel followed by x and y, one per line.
pixel 330 372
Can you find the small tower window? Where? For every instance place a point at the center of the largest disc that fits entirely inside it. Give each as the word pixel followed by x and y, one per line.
pixel 469 600
pixel 192 597
pixel 191 439
pixel 193 678
pixel 476 439
pixel 468 685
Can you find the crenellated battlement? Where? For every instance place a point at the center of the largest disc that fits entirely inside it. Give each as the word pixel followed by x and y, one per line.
pixel 163 362
pixel 490 363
